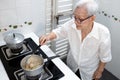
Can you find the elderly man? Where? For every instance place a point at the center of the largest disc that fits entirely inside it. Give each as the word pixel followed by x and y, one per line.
pixel 90 42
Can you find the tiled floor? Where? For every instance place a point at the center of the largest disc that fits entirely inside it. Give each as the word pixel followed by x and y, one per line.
pixel 108 76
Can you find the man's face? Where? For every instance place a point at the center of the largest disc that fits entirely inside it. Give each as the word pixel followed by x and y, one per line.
pixel 82 20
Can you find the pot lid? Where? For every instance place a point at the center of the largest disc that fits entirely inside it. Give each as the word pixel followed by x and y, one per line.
pixel 14 38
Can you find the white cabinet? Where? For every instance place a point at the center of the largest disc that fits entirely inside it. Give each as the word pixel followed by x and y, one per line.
pixel 57 13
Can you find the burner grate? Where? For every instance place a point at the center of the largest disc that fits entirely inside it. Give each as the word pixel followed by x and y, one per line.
pixel 9 55
pixel 17 50
pixel 45 75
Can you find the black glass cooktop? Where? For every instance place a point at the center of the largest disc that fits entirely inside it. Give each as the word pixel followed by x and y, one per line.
pixel 12 64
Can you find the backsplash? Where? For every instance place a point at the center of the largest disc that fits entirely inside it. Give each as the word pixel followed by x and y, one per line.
pixel 15 14
pixel 110 16
pixel 15 26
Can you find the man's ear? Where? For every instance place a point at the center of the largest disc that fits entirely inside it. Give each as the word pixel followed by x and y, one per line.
pixel 93 17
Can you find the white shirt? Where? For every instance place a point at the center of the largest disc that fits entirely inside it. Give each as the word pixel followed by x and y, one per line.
pixel 86 54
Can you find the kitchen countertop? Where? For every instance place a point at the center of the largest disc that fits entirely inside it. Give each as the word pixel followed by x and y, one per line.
pixel 68 74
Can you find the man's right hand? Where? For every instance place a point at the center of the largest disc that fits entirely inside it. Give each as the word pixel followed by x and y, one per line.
pixel 43 39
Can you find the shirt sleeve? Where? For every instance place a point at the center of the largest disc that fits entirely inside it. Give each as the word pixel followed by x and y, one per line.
pixel 105 49
pixel 61 31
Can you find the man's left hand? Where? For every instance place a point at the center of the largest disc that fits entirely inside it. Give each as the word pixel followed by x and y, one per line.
pixel 97 75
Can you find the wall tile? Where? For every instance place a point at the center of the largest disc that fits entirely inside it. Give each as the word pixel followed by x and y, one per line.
pixel 23 3
pixel 24 14
pixel 17 14
pixel 7 4
pixel 8 17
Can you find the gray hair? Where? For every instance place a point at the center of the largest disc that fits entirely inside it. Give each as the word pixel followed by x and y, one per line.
pixel 90 5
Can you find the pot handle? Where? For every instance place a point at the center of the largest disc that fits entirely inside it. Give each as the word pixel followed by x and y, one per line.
pixel 34 51
pixel 50 58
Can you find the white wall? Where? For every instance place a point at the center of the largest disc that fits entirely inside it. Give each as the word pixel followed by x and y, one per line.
pixel 17 12
pixel 109 15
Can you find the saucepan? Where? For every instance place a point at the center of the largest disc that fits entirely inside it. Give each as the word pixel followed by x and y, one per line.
pixel 33 64
pixel 14 40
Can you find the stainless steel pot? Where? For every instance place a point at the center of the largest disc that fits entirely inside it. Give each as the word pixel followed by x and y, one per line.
pixel 35 71
pixel 14 40
pixel 38 70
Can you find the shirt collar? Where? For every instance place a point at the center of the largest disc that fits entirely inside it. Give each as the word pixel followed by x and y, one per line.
pixel 74 25
pixel 94 31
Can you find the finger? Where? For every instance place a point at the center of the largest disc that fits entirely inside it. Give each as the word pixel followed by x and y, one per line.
pixel 42 37
pixel 97 77
pixel 94 76
pixel 43 41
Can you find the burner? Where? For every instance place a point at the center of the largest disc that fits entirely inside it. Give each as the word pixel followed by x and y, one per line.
pixel 17 50
pixel 9 55
pixel 45 75
pixel 33 77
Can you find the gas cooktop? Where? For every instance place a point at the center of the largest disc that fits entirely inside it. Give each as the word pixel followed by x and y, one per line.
pixel 12 62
